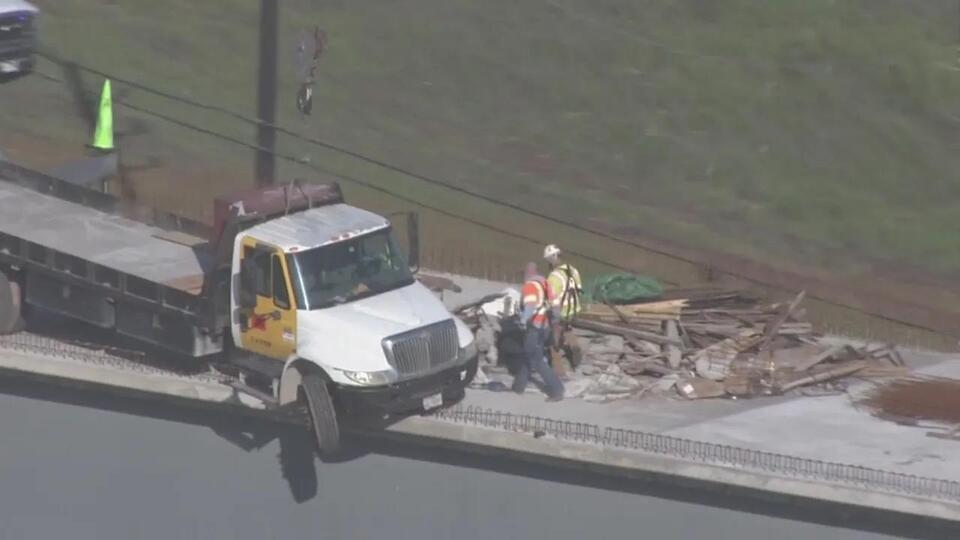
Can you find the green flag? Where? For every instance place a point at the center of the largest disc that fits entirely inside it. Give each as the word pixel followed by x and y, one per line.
pixel 103 136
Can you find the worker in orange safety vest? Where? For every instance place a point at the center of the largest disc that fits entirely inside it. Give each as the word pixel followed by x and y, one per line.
pixel 534 319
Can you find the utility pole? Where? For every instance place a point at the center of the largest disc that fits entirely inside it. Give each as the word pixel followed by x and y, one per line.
pixel 265 166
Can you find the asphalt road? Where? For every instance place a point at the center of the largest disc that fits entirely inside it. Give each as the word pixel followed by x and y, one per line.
pixel 78 465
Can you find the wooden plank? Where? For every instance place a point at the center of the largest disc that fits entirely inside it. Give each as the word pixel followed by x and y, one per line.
pixel 618 313
pixel 188 284
pixel 714 361
pixel 611 317
pixel 744 340
pixel 612 310
pixel 771 328
pixel 813 360
pixel 795 357
pixel 651 307
pixel 700 388
pixel 841 370
pixel 641 346
pixel 182 238
pixel 883 371
pixel 649 365
pixel 673 352
pixel 597 326
pixel 888 352
pixel 717 329
pixel 741 384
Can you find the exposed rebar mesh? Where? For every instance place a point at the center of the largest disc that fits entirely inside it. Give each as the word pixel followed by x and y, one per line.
pixel 98 355
pixel 705 452
pixel 917 398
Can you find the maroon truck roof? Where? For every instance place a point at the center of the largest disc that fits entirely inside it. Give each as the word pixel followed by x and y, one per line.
pixel 273 201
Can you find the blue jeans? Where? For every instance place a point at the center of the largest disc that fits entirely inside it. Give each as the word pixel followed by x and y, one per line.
pixel 534 340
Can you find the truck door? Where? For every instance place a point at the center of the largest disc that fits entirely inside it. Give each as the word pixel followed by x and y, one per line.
pixel 268 316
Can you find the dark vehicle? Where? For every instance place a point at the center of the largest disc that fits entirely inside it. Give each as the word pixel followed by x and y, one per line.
pixel 18 37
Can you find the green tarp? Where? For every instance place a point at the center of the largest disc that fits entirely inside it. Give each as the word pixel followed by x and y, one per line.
pixel 622 289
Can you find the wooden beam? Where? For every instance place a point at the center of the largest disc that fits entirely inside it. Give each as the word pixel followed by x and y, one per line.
pixel 621 331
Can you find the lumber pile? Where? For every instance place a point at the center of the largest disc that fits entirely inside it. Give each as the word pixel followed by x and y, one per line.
pixel 706 343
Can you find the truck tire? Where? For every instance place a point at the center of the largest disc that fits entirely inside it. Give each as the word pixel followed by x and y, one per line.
pixel 10 321
pixel 323 415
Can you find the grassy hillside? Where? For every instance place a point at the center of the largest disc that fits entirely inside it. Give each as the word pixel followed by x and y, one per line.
pixel 820 132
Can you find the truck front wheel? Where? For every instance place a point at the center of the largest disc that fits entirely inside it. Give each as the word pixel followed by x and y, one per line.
pixel 322 414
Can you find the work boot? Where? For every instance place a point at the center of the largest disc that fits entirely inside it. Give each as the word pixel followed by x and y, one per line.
pixel 551 399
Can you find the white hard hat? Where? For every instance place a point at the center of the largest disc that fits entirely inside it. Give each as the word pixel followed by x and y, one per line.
pixel 551 252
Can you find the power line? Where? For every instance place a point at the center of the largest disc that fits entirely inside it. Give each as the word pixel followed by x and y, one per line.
pixel 349 178
pixel 472 221
pixel 384 165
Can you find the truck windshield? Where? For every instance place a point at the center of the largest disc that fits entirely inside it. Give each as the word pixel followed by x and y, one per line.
pixel 348 270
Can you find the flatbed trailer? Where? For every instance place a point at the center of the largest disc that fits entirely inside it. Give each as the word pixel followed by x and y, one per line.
pixel 144 278
pixel 254 293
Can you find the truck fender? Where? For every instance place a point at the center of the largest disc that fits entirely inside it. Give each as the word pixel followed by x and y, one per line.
pixel 292 377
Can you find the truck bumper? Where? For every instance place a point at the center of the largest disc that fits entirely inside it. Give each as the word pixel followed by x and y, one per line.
pixel 16 56
pixel 16 64
pixel 406 396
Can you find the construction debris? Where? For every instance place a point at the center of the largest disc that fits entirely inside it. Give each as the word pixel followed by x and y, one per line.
pixel 699 343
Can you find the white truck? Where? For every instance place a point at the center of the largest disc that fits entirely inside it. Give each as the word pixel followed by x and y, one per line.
pixel 18 37
pixel 309 300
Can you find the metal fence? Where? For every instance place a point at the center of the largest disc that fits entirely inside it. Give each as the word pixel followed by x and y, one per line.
pixel 708 453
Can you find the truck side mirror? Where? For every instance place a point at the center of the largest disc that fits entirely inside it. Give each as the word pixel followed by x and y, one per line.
pixel 413 237
pixel 248 283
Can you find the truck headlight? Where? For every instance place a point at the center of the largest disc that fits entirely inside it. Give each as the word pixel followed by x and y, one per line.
pixel 468 352
pixel 370 378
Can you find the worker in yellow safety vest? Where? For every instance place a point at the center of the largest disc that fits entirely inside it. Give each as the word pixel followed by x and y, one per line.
pixel 564 289
pixel 535 322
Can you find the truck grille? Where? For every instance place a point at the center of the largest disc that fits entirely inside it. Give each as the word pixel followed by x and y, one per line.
pixel 423 350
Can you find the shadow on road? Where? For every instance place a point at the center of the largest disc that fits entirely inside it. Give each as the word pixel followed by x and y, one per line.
pixel 670 488
pixel 297 456
pixel 298 464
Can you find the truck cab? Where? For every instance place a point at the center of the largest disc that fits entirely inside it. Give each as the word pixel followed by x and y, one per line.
pixel 329 290
pixel 327 293
pixel 18 21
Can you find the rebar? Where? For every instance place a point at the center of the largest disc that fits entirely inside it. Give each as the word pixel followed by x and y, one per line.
pixel 706 452
pixel 935 399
